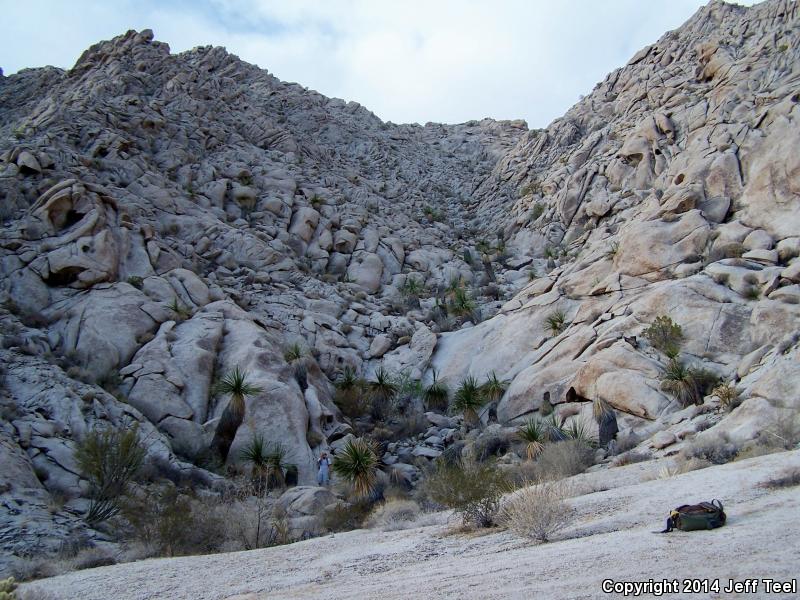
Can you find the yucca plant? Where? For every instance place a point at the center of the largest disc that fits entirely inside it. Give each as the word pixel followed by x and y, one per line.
pixel 494 388
pixel 462 304
pixel 411 287
pixel 686 384
pixel 109 460
pixel 578 430
pixel 468 399
pixel 383 391
pixel 456 283
pixel 553 428
pixel 235 384
pixel 556 322
pixel 357 463
pixel 436 395
pixel 606 420
pixel 268 462
pixel 181 312
pixel 534 433
pixel 294 353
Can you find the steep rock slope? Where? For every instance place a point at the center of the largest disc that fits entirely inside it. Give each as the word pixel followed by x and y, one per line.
pixel 671 189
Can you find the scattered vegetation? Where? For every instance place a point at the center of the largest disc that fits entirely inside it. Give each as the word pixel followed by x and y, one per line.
pixel 494 388
pixel 716 449
pixel 294 353
pixel 383 390
pixel 109 460
pixel 135 281
pixel 394 514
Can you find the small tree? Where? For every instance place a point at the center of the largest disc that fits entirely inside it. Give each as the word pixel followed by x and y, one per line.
pixel 473 491
pixel 665 335
pixel 109 459
pixel 235 384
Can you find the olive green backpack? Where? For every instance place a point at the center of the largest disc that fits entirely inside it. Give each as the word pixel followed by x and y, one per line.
pixel 691 517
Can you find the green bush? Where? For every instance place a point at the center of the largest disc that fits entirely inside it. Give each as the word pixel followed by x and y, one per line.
pixel 473 491
pixel 109 460
pixel 665 335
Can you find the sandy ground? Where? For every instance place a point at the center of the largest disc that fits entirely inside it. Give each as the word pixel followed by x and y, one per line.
pixel 611 538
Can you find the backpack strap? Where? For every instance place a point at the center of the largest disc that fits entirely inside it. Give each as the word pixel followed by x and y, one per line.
pixel 671 521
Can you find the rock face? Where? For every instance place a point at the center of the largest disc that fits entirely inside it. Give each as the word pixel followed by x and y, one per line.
pixel 168 218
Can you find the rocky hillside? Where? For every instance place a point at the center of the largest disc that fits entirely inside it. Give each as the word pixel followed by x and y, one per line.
pixel 167 218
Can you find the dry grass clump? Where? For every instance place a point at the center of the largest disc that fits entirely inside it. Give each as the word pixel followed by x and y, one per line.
pixel 537 511
pixel 562 459
pixel 788 478
pixel 729 396
pixel 394 515
pixel 629 458
pixel 716 449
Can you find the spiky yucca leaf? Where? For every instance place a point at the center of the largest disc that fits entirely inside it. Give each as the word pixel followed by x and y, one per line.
pixel 235 384
pixel 357 463
pixel 468 399
pixel 494 388
pixel 534 433
pixel 436 395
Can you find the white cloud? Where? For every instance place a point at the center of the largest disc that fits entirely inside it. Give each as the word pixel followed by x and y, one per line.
pixel 434 60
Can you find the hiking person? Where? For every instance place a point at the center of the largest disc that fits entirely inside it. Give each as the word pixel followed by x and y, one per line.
pixel 324 465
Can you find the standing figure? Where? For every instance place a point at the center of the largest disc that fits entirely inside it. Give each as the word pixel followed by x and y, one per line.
pixel 324 473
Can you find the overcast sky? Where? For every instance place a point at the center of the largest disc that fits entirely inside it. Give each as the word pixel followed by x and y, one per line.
pixel 410 61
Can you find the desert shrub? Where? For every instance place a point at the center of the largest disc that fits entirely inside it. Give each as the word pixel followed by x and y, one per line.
pixel 629 458
pixel 537 511
pixel 357 463
pixel 180 311
pixel 489 445
pixel 7 588
pixel 135 281
pixel 687 384
pixel 556 322
pixel 383 390
pixel 393 515
pixel 294 353
pixel 717 449
pixel 562 459
pixel 729 396
pixel 473 491
pixel 578 429
pixel 784 432
pixel 91 558
pixel 346 516
pixel 625 442
pixel 790 477
pixel 109 460
pixel 665 335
